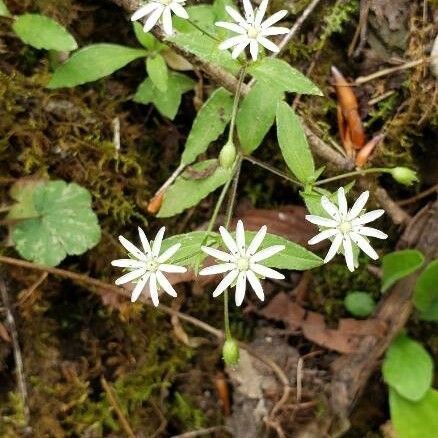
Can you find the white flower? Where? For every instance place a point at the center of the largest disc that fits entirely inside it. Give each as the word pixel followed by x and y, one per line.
pixel 242 263
pixel 252 29
pixel 346 226
pixel 160 9
pixel 148 265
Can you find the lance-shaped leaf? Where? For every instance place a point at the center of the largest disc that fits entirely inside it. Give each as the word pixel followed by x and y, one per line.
pixel 64 224
pixel 157 70
pixel 293 144
pixel 193 186
pixel 209 124
pixel 92 63
pixel 42 32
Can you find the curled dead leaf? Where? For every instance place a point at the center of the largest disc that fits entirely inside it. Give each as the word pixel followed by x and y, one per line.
pixel 364 154
pixel 155 203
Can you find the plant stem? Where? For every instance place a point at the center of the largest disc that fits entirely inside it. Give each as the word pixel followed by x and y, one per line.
pixel 236 102
pixel 226 317
pixel 272 170
pixel 355 173
pixel 232 198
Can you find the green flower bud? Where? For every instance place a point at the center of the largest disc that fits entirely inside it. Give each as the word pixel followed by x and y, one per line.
pixel 230 352
pixel 227 155
pixel 404 175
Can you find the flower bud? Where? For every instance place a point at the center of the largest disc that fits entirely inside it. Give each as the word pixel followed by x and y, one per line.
pixel 404 175
pixel 227 155
pixel 230 352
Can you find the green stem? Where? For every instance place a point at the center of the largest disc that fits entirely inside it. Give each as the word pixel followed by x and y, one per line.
pixel 236 102
pixel 355 173
pixel 226 317
pixel 272 170
pixel 232 198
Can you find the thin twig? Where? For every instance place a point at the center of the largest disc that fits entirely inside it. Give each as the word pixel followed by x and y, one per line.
pixel 21 380
pixel 202 432
pixel 421 195
pixel 113 402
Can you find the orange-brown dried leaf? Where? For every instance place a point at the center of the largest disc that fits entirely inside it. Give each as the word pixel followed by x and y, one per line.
pixel 155 203
pixel 364 154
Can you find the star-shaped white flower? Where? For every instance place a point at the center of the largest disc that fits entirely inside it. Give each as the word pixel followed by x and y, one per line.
pixel 148 265
pixel 346 226
pixel 242 263
pixel 160 9
pixel 252 29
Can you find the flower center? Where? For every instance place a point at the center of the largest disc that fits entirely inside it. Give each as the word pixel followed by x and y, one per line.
pixel 253 32
pixel 152 265
pixel 243 264
pixel 345 227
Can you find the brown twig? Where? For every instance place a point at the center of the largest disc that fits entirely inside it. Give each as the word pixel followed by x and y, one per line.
pixel 421 195
pixel 202 432
pixel 114 403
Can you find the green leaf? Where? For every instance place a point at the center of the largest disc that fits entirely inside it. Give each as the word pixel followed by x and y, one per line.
pixel 206 48
pixel 4 11
pixel 157 70
pixel 201 17
pixel 256 115
pixel 166 102
pixel 293 144
pixel 426 293
pixel 414 419
pixel 399 264
pixel 209 124
pixel 219 9
pixel 92 63
pixel 66 224
pixel 285 77
pixel 359 304
pixel 146 39
pixel 408 368
pixel 22 192
pixel 293 256
pixel 42 32
pixel 185 193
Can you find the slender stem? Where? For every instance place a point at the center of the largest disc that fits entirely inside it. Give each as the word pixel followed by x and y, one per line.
pixel 232 198
pixel 354 173
pixel 226 317
pixel 236 102
pixel 272 170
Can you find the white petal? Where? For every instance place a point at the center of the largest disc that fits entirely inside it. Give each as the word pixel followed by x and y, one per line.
pixel 273 19
pixel 268 44
pixel 249 11
pixel 240 288
pixel 153 18
pixel 367 217
pixel 179 10
pixel 364 245
pixel 333 248
pixel 254 49
pixel 169 253
pixel 231 26
pixel 240 237
pixel 156 246
pixel 139 287
pixel 167 21
pixel 342 203
pixel 256 241
pixel 217 254
pixel 240 48
pixel 266 253
pixel 274 31
pixel 233 41
pixel 261 11
pixel 326 234
pixel 226 281
pixel 371 232
pixel 358 205
pixel 229 241
pixel 144 241
pixel 133 275
pixel 266 272
pixel 132 249
pixel 175 269
pixel 217 269
pixel 348 253
pixel 128 263
pixel 235 15
pixel 256 285
pixel 153 291
pixel 330 208
pixel 165 284
pixel 144 10
pixel 321 221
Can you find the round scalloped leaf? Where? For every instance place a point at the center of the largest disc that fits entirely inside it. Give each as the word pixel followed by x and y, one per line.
pixel 66 224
